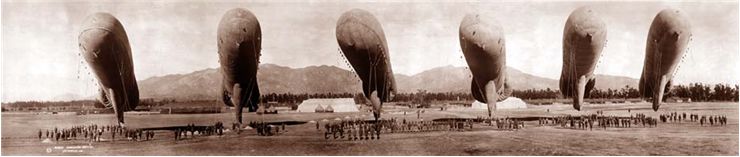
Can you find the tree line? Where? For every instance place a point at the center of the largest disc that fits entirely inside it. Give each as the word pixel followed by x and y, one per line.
pixel 705 92
pixel 694 91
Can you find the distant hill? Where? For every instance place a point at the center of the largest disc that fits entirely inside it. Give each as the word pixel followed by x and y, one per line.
pixel 458 79
pixel 271 79
pixel 615 82
pixel 330 79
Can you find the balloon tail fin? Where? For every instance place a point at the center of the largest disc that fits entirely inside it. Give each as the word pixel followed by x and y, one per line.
pixel 117 106
pixel 580 92
pixel 658 92
pixel 491 97
pixel 376 104
pixel 236 99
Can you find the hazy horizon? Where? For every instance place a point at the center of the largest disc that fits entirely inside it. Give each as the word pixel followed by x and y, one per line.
pixel 41 62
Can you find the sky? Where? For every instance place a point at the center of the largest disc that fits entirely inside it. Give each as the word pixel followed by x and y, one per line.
pixel 40 57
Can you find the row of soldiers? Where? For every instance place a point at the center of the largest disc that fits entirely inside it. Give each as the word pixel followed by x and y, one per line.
pixel 363 130
pixel 638 120
pixel 702 119
pixel 677 117
pixel 588 121
pixel 95 133
pixel 216 129
pixel 355 129
pixel 567 121
pixel 424 126
pixel 91 132
pixel 136 134
pixel 507 123
pixel 713 120
pixel 502 123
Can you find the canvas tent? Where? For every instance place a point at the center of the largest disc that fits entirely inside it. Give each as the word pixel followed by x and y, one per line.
pixel 318 108
pixel 508 103
pixel 328 105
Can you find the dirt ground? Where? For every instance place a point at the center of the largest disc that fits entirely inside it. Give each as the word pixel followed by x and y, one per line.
pixel 686 138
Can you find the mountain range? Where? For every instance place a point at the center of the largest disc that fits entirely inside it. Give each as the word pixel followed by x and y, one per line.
pixel 330 79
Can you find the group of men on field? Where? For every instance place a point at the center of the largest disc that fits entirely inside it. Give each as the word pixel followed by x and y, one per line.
pixel 371 129
pixel 588 121
pixel 266 129
pixel 215 129
pixel 95 133
pixel 354 129
pixel 676 117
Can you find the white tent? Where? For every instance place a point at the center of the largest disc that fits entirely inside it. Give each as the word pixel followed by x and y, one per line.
pixel 508 103
pixel 337 105
pixel 318 108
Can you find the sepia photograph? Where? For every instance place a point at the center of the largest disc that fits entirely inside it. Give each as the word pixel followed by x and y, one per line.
pixel 369 78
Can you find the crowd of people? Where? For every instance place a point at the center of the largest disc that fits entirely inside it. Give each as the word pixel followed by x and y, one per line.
pixel 266 129
pixel 587 122
pixel 711 120
pixel 367 130
pixel 95 133
pixel 424 126
pixel 504 123
pixel 137 134
pixel 182 132
pixel 354 129
pixel 678 117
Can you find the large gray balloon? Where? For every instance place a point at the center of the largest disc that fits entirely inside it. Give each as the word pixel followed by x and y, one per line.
pixel 483 45
pixel 105 47
pixel 583 39
pixel 667 41
pixel 363 43
pixel 239 44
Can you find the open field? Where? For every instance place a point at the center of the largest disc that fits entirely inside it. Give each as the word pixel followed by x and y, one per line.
pixel 686 138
